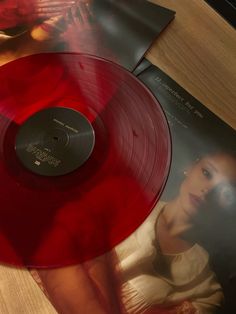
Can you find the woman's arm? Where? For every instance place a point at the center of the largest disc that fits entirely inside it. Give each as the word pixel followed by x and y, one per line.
pixel 71 290
pixel 86 288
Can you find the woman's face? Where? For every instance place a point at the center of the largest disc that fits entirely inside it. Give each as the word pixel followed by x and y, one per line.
pixel 205 175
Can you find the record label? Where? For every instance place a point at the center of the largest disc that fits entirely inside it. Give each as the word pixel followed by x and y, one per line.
pixel 55 141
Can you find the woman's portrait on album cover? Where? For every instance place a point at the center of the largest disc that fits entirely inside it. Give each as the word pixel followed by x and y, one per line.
pixel 165 265
pixel 179 261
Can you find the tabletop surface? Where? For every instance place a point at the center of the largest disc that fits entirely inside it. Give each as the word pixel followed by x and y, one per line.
pixel 198 50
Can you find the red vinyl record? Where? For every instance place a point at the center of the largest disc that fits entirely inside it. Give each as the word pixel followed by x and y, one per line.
pixel 84 155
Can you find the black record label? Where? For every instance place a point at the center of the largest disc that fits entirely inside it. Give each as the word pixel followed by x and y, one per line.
pixel 55 141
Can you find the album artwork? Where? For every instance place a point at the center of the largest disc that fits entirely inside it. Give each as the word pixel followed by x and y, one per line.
pixel 181 258
pixel 119 31
pixel 203 157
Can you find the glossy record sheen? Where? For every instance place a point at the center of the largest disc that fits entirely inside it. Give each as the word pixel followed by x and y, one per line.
pixel 56 221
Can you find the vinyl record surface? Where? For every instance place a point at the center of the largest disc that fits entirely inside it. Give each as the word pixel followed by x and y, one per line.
pixel 84 156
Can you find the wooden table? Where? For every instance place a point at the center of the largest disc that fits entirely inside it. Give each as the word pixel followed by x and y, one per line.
pixel 198 50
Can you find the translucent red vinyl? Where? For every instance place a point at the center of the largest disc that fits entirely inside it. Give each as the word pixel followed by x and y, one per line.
pixel 56 221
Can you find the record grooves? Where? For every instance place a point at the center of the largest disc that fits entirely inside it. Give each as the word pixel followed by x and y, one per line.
pixel 84 156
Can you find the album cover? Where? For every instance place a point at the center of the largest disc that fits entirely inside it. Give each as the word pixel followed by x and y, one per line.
pixel 120 31
pixel 182 258
pixel 203 150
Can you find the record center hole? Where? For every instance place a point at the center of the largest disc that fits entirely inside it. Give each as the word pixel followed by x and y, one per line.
pixel 55 138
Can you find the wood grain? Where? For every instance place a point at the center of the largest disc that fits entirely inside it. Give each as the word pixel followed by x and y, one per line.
pixel 198 50
pixel 20 294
